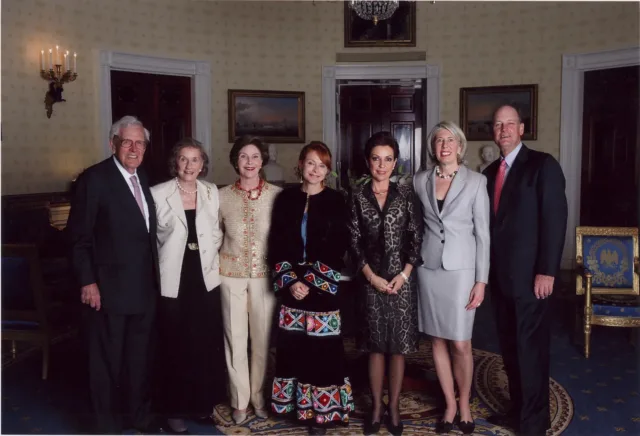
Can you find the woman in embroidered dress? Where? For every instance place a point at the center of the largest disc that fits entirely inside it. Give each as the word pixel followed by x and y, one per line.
pixel 191 367
pixel 306 247
pixel 248 303
pixel 386 235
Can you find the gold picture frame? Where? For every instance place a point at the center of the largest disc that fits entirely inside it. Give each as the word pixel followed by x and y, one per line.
pixel 583 232
pixel 397 31
pixel 275 116
pixel 478 104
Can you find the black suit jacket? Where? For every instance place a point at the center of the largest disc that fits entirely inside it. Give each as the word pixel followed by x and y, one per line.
pixel 527 233
pixel 110 244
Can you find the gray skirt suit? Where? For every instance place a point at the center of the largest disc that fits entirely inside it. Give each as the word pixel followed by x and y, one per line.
pixel 455 252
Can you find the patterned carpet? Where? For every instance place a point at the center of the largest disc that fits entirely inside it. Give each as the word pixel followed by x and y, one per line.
pixel 598 396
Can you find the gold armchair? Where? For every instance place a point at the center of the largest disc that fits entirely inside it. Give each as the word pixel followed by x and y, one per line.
pixel 608 271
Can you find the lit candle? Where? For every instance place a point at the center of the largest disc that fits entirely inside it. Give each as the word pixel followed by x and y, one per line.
pixel 50 59
pixel 57 55
pixel 42 60
pixel 66 62
pixel 75 55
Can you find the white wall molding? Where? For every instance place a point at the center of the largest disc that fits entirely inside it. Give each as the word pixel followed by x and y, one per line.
pixel 331 74
pixel 200 73
pixel 573 68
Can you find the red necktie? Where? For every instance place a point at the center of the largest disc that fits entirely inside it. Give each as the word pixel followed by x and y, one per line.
pixel 137 193
pixel 502 172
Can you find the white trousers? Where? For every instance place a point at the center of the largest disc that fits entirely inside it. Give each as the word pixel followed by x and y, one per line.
pixel 247 311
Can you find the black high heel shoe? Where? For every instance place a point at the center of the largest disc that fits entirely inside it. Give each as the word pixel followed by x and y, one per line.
pixel 371 427
pixel 466 427
pixel 444 427
pixel 395 430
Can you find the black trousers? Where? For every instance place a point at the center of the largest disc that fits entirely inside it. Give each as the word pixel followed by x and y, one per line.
pixel 119 350
pixel 524 334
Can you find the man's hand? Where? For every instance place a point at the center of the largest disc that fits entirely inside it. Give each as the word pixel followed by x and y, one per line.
pixel 90 294
pixel 543 286
pixel 299 290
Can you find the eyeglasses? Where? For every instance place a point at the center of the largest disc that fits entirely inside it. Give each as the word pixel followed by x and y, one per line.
pixel 128 143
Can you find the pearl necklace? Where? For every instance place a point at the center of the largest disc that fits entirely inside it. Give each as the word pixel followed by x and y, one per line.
pixel 445 176
pixel 184 190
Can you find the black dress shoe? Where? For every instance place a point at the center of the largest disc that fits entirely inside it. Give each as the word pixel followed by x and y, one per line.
pixel 466 427
pixel 317 430
pixel 509 421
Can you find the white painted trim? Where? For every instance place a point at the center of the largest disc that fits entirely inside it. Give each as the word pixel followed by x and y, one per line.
pixel 573 69
pixel 331 74
pixel 199 71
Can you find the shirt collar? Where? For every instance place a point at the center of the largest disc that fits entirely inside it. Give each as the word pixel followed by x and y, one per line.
pixel 126 174
pixel 511 157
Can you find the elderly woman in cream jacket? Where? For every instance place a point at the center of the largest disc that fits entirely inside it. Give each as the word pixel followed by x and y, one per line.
pixel 192 373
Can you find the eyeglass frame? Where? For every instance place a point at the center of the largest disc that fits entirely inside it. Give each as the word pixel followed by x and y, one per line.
pixel 140 145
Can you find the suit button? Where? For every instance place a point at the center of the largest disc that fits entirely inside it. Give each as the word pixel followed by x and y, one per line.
pixel 439 220
pixel 441 231
pixel 442 241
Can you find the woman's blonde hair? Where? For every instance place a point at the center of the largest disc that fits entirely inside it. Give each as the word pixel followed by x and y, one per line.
pixel 456 131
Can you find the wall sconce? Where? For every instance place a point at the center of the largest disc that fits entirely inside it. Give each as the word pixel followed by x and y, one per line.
pixel 56 76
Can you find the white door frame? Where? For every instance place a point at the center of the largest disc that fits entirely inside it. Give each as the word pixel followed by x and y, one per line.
pixel 199 71
pixel 331 74
pixel 573 69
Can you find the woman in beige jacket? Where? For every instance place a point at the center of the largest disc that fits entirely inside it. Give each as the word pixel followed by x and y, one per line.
pixel 248 302
pixel 191 362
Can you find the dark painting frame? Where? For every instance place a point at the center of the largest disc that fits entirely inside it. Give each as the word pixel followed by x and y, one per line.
pixel 478 104
pixel 275 116
pixel 400 28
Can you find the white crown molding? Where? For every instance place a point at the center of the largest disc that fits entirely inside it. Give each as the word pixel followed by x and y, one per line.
pixel 331 74
pixel 573 68
pixel 199 71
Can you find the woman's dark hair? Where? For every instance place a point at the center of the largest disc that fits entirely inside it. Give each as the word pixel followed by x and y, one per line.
pixel 381 138
pixel 175 153
pixel 323 153
pixel 246 140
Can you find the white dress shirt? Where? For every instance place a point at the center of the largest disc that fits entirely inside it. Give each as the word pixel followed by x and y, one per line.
pixel 510 158
pixel 127 177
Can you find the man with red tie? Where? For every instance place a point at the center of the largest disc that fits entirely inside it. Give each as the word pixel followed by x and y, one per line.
pixel 112 227
pixel 528 225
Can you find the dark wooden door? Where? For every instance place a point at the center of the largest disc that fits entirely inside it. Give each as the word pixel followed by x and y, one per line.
pixel 611 118
pixel 367 109
pixel 163 104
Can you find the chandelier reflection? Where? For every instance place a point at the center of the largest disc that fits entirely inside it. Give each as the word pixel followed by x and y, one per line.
pixel 374 10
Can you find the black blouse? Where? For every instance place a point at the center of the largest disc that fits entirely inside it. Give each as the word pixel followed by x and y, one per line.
pixel 326 239
pixel 386 239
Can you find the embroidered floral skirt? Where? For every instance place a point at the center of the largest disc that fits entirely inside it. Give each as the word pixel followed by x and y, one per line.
pixel 310 379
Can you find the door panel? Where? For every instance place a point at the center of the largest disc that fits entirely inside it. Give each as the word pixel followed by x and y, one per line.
pixel 367 109
pixel 609 186
pixel 163 104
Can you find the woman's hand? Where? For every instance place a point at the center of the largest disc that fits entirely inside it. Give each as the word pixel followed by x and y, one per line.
pixel 379 284
pixel 395 284
pixel 299 290
pixel 476 297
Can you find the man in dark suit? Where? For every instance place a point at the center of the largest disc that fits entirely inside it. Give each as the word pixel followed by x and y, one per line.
pixel 528 225
pixel 112 226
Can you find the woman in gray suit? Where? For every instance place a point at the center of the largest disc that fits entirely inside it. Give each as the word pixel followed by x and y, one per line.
pixel 455 252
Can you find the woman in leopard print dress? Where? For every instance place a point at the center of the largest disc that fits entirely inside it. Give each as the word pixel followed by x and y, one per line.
pixel 386 234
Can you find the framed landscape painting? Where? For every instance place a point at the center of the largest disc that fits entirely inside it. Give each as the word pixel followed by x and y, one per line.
pixel 478 104
pixel 275 116
pixel 397 31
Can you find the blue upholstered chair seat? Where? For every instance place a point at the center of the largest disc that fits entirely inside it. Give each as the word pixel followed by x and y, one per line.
pixel 617 305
